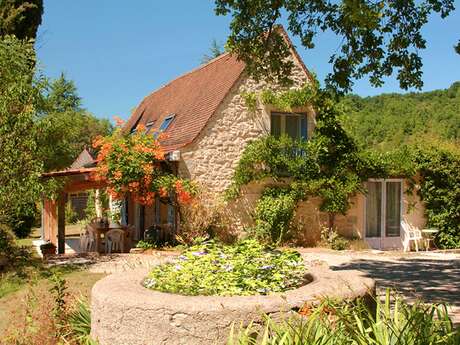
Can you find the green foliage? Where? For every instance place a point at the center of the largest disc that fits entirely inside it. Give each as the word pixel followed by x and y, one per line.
pixel 333 240
pixel 20 18
pixel 215 50
pixel 23 219
pixel 439 168
pixel 20 165
pixel 79 320
pixel 7 242
pixel 378 39
pixel 65 127
pixel 329 165
pixel 390 120
pixel 71 217
pixel 248 268
pixel 273 214
pixel 333 323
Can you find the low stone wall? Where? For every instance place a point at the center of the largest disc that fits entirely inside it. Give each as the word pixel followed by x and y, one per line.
pixel 126 313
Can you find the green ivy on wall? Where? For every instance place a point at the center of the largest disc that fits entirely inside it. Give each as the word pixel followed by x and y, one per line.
pixel 333 167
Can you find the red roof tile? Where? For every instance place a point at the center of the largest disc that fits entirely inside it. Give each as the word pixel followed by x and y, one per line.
pixel 192 98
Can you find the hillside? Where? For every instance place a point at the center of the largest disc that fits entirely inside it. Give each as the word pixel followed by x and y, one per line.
pixel 388 120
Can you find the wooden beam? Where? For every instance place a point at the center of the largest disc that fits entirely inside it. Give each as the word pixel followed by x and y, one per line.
pixel 61 222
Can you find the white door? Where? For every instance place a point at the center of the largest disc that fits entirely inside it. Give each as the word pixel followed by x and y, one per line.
pixel 384 214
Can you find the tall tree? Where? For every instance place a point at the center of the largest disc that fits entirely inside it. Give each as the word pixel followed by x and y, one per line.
pixel 378 38
pixel 215 50
pixel 20 165
pixel 65 127
pixel 20 18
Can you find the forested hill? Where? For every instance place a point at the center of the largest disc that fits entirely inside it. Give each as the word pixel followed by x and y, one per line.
pixel 388 120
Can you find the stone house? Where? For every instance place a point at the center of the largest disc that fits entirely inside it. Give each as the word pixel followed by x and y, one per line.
pixel 208 124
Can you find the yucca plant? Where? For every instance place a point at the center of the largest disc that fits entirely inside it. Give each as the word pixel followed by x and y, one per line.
pixel 392 322
pixel 79 322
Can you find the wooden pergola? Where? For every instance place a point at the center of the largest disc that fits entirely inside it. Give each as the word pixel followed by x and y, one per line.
pixel 76 180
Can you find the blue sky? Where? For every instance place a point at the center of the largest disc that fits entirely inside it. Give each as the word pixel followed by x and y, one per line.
pixel 117 52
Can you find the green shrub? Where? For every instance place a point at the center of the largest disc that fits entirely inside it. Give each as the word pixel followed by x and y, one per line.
pixel 23 221
pixel 7 240
pixel 273 214
pixel 71 216
pixel 247 268
pixel 333 240
pixel 343 324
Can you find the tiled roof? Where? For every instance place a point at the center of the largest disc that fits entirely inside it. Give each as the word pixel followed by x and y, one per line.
pixel 192 98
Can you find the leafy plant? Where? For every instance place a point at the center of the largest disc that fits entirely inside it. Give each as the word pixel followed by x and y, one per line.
pixel 79 321
pixel 247 268
pixel 136 164
pixel 333 240
pixel 333 323
pixel 273 214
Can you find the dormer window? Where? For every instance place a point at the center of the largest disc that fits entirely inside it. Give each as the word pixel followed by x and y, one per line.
pixel 166 122
pixel 291 124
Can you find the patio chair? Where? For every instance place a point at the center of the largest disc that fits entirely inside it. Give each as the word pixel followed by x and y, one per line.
pixel 411 234
pixel 114 241
pixel 91 239
pixel 84 240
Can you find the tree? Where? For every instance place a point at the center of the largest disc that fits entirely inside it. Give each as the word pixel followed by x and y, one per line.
pixel 20 18
pixel 215 50
pixel 20 165
pixel 378 38
pixel 65 127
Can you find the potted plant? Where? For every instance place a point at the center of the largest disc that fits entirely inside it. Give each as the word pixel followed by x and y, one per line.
pixel 47 249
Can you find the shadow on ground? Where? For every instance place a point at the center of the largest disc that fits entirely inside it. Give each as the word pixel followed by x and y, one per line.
pixel 431 280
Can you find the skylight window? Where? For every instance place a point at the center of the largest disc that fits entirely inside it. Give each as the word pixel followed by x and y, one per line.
pixel 148 126
pixel 166 122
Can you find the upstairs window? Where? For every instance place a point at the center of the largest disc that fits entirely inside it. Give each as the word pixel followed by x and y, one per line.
pixel 290 124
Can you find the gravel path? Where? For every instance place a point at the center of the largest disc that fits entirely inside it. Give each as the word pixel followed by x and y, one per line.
pixel 433 276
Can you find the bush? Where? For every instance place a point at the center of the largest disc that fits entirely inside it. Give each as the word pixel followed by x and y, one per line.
pixel 199 218
pixel 342 324
pixel 331 239
pixel 71 216
pixel 273 215
pixel 247 268
pixel 23 221
pixel 7 242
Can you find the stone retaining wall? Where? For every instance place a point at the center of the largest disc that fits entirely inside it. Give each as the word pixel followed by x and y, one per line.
pixel 126 313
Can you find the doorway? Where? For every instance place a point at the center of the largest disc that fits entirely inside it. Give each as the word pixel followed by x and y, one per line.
pixel 384 209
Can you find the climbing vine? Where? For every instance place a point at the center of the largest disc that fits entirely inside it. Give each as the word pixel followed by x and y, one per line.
pixel 136 164
pixel 333 167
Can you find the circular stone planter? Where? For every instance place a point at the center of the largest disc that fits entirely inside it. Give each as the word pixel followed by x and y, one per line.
pixel 123 312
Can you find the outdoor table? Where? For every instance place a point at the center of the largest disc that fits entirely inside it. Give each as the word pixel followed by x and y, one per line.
pixel 428 235
pixel 101 232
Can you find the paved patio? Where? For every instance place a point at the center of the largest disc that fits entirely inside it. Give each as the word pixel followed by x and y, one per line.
pixel 431 276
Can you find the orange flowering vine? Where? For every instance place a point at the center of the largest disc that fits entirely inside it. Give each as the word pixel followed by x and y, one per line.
pixel 135 164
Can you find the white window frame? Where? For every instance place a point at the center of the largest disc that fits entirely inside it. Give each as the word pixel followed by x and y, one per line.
pixel 283 115
pixel 383 208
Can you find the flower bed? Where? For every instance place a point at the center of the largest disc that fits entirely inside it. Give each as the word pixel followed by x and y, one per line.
pixel 248 268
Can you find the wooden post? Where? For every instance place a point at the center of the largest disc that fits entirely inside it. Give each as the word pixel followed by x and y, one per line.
pixel 61 222
pixel 49 223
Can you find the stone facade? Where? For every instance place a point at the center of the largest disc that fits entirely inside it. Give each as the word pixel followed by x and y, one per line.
pixel 212 157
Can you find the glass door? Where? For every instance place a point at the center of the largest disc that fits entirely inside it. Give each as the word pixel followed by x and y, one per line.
pixel 384 214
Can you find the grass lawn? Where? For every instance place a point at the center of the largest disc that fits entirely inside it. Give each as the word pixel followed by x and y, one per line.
pixel 30 277
pixel 13 304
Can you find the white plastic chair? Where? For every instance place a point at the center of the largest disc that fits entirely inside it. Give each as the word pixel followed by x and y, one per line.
pixel 84 240
pixel 91 239
pixel 411 234
pixel 114 240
